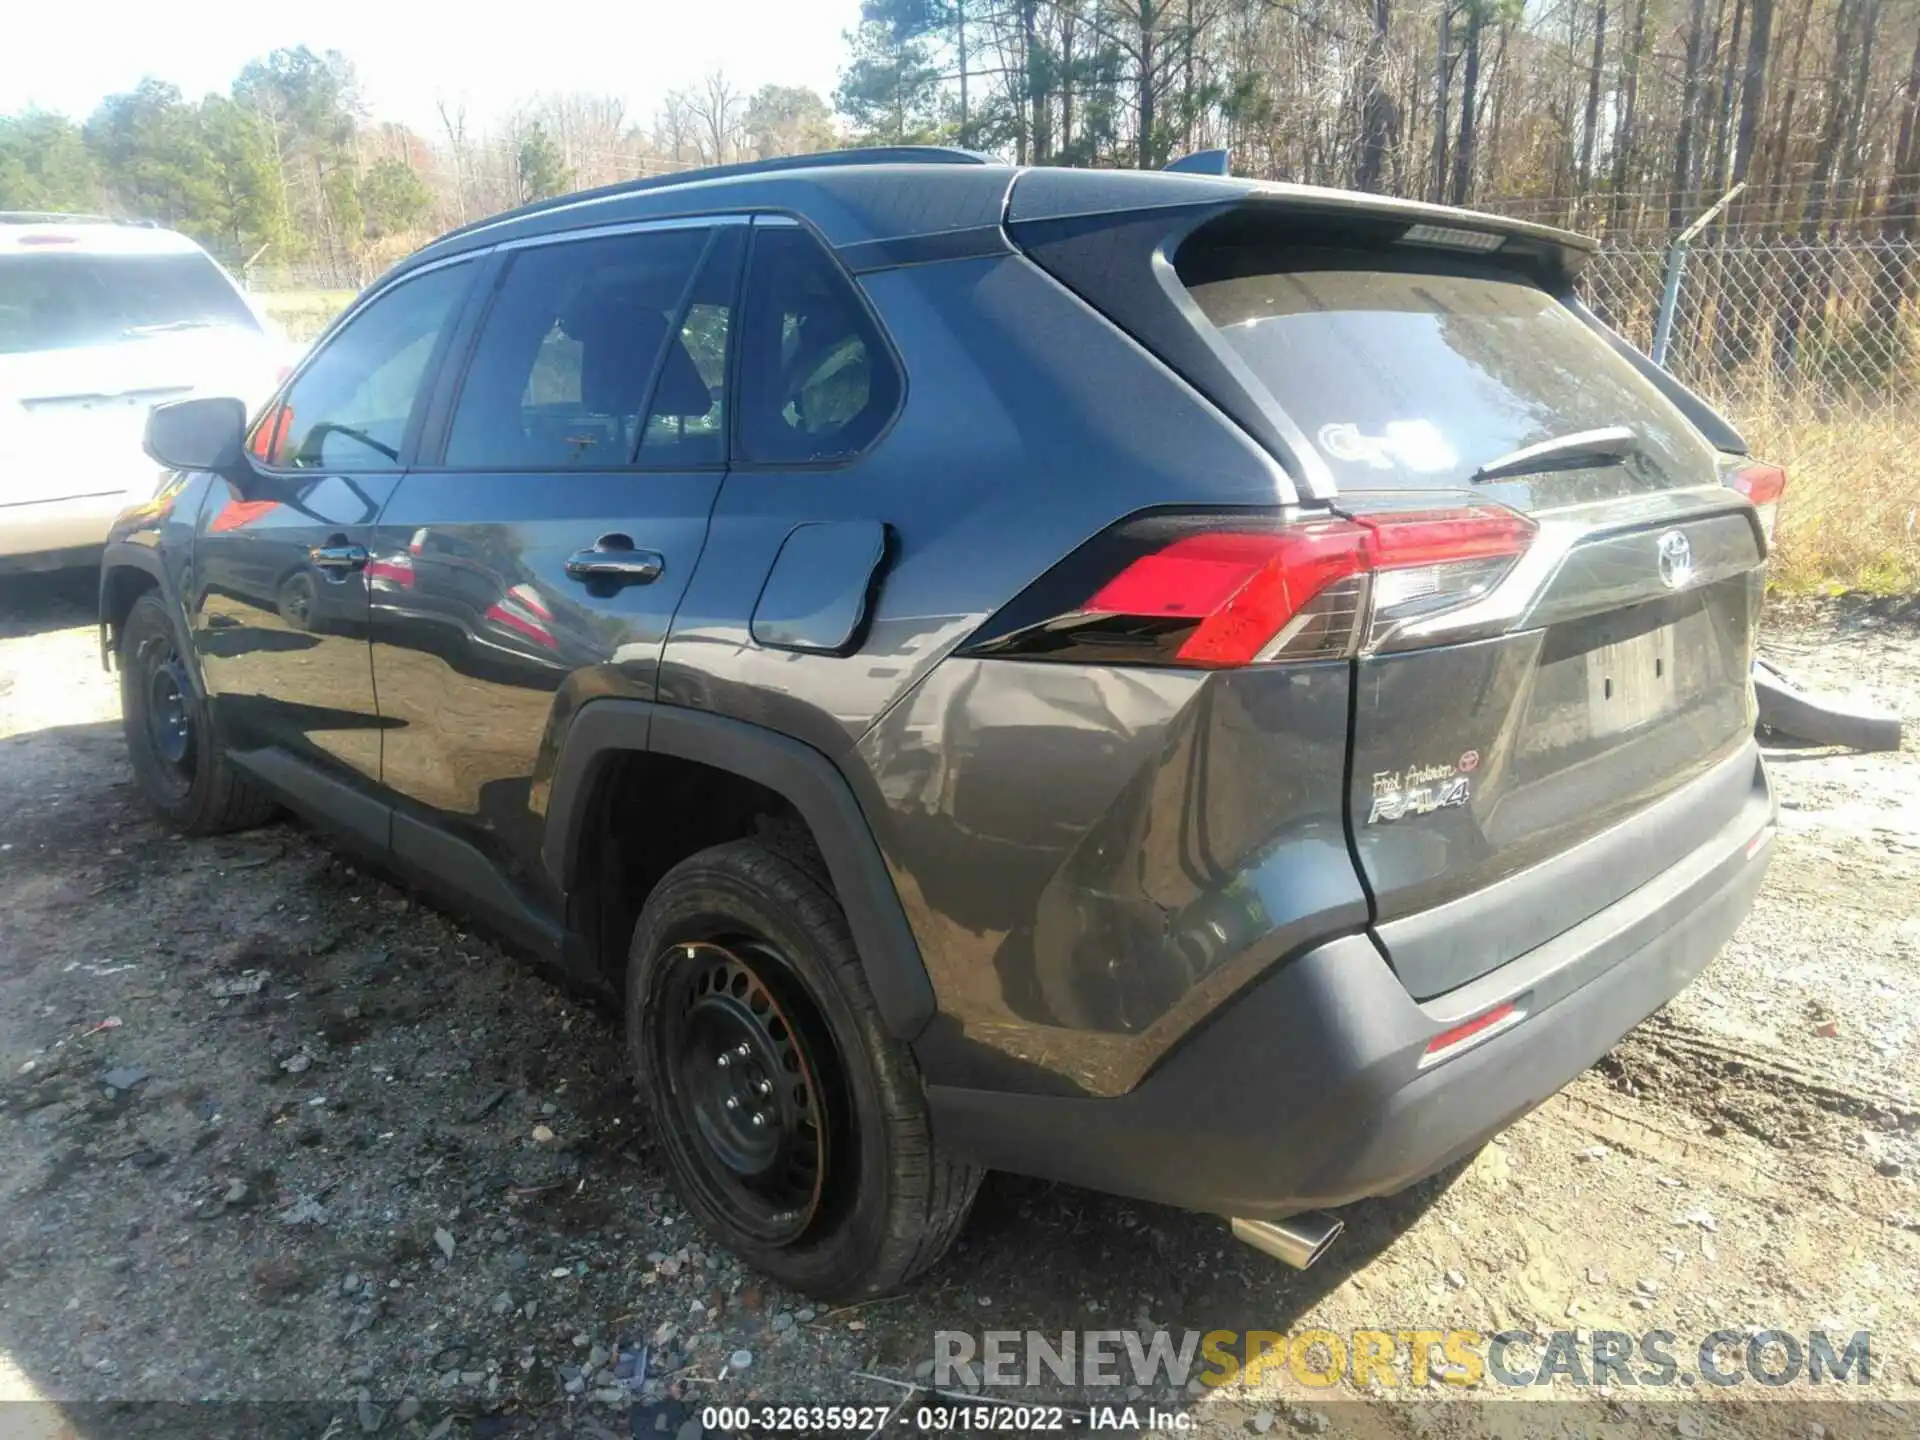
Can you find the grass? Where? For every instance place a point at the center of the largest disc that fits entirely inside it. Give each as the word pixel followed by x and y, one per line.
pixel 303 314
pixel 1850 519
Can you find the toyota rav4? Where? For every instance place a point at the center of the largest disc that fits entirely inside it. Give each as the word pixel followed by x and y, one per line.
pixel 1222 692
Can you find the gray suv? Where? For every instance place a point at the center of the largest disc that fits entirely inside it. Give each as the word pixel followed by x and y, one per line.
pixel 1222 692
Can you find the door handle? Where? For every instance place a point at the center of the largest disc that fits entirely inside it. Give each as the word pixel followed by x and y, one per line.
pixel 614 559
pixel 338 559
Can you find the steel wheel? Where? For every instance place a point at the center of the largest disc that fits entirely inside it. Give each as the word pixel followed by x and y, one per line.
pixel 752 1084
pixel 167 702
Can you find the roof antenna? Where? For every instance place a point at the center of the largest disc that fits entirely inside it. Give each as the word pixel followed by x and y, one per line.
pixel 1204 162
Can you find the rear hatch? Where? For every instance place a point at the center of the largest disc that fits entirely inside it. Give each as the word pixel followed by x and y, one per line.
pixel 1514 704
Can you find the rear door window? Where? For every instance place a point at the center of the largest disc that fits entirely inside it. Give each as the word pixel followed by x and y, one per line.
pixel 817 383
pixel 571 347
pixel 1412 372
pixel 59 302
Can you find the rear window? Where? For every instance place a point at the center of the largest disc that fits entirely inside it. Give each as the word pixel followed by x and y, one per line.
pixel 1414 372
pixel 58 302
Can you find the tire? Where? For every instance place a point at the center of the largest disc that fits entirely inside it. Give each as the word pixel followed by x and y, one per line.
pixel 177 761
pixel 860 1199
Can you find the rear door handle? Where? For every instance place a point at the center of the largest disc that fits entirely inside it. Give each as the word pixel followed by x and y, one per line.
pixel 614 559
pixel 338 559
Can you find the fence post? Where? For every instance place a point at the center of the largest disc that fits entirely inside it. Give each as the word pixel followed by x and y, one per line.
pixel 1669 300
pixel 1677 267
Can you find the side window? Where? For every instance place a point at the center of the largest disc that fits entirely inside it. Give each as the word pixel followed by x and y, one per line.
pixel 348 409
pixel 816 382
pixel 568 352
pixel 687 418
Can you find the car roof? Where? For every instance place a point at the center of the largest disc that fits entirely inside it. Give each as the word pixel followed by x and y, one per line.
pixel 42 232
pixel 873 196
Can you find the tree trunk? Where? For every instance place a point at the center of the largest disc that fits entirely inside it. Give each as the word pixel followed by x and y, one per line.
pixel 1680 200
pixel 1469 96
pixel 960 50
pixel 1442 72
pixel 1148 63
pixel 1897 277
pixel 1807 286
pixel 1038 110
pixel 1592 127
pixel 1378 116
pixel 1623 126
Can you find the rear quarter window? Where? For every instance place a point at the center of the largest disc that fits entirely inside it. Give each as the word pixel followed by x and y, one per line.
pixel 1410 371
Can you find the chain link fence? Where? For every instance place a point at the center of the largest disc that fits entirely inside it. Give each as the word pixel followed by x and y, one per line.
pixel 1812 348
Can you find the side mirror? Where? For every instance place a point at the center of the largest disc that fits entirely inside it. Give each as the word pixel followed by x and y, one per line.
pixel 198 434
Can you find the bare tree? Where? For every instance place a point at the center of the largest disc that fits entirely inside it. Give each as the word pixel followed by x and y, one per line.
pixel 716 108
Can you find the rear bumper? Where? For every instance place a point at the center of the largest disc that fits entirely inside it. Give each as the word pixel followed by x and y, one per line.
pixel 1308 1091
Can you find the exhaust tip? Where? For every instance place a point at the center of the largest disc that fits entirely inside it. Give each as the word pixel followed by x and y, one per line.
pixel 1299 1240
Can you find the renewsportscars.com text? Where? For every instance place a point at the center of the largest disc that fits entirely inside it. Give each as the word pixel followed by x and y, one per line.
pixel 1322 1359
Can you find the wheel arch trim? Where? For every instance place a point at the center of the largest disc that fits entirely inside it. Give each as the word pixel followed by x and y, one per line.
pixel 805 778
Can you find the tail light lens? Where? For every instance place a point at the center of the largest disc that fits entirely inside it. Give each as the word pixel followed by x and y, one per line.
pixel 1213 591
pixel 1763 485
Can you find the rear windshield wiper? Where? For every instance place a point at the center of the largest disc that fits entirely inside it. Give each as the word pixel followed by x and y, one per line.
pixel 1567 452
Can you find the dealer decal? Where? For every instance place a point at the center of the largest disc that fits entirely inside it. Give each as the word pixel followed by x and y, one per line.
pixel 1422 789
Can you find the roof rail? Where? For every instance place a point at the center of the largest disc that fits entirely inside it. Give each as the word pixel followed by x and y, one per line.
pixel 819 160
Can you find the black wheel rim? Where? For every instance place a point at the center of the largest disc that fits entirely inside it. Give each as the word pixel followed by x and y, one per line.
pixel 751 1081
pixel 167 699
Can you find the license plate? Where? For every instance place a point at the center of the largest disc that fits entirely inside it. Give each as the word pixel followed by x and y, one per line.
pixel 1630 682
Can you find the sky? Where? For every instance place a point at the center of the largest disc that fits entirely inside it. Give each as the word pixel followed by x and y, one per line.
pixel 409 55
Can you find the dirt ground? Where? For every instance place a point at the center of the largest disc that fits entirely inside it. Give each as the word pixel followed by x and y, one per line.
pixel 272 1130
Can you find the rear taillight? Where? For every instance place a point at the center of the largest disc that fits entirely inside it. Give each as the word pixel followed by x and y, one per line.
pixel 1763 485
pixel 1213 591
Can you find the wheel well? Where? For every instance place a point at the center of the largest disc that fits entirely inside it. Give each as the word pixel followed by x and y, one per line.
pixel 119 588
pixel 647 814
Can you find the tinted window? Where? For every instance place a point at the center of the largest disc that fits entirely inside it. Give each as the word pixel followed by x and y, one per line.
pixel 56 302
pixel 569 350
pixel 348 408
pixel 816 382
pixel 1415 372
pixel 686 417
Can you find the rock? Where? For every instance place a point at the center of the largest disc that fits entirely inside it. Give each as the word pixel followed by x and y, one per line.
pixel 297 1064
pixel 408 1407
pixel 610 1395
pixel 1646 1286
pixel 1700 1216
pixel 360 1375
pixel 549 1108
pixel 349 1283
pixel 664 1336
pixel 473 1377
pixel 451 1358
pixel 575 1386
pixel 690 1429
pixel 597 1357
pixel 783 1321
pixel 370 1418
pixel 1456 1280
pixel 1593 1152
pixel 542 1134
pixel 236 1192
pixel 740 1360
pixel 1827 1029
pixel 1262 1421
pixel 444 1239
pixel 1889 1168
pixel 123 1077
pixel 517 1260
pixel 923 1372
pixel 502 1303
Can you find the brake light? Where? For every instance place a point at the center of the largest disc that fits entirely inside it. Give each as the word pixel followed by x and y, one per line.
pixel 1215 591
pixel 1763 485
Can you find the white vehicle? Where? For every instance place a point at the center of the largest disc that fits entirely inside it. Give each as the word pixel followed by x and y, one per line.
pixel 100 321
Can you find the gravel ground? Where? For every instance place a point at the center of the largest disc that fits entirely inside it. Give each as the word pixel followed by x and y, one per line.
pixel 272 1130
